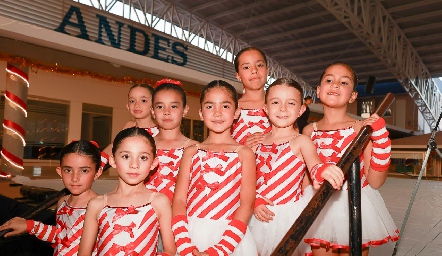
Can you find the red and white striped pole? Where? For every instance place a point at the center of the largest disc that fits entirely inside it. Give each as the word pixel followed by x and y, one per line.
pixel 14 121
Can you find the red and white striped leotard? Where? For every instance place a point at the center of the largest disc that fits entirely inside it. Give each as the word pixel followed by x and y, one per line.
pixel 128 230
pixel 331 145
pixel 215 183
pixel 279 173
pixel 154 130
pixel 164 179
pixel 250 121
pixel 65 236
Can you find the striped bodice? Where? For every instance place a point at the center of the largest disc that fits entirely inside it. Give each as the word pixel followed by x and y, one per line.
pixel 249 122
pixel 154 130
pixel 331 145
pixel 279 173
pixel 69 225
pixel 128 231
pixel 215 183
pixel 164 179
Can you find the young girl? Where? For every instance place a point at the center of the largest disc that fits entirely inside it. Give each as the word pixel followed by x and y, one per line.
pixel 281 160
pixel 169 107
pixel 79 168
pixel 128 219
pixel 329 235
pixel 215 189
pixel 139 105
pixel 251 69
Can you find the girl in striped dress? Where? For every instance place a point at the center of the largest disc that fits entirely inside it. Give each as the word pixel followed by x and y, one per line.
pixel 79 168
pixel 127 220
pixel 169 107
pixel 251 69
pixel 215 189
pixel 281 160
pixel 139 105
pixel 329 234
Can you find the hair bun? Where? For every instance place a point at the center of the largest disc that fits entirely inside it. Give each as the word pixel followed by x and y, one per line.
pixel 168 81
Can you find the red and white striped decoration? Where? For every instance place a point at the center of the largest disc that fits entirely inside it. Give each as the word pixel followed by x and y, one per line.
pixel 12 128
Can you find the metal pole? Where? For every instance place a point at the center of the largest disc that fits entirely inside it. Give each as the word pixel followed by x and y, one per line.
pixel 354 209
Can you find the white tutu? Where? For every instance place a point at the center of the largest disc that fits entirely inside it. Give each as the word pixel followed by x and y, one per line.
pixel 268 235
pixel 331 227
pixel 205 233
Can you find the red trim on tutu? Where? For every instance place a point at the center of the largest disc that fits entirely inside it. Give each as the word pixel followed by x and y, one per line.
pixel 316 243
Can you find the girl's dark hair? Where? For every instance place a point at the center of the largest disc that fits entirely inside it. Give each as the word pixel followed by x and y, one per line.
pixel 133 132
pixel 85 148
pixel 220 84
pixel 345 64
pixel 146 86
pixel 288 82
pixel 236 62
pixel 172 87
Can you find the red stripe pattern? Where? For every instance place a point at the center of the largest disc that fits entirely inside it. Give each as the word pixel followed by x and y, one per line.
pixel 181 233
pixel 65 236
pixel 381 151
pixel 331 145
pixel 17 71
pixel 164 179
pixel 154 130
pixel 14 126
pixel 279 174
pixel 250 121
pixel 16 99
pixel 127 231
pixel 16 160
pixel 215 182
pixel 230 239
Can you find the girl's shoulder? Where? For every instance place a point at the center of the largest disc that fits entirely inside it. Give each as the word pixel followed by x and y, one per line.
pixel 160 202
pixel 129 124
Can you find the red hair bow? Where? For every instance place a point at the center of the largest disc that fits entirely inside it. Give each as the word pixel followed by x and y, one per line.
pixel 168 81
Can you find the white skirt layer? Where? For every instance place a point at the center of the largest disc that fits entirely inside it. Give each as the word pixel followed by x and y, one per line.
pixel 331 227
pixel 268 235
pixel 205 233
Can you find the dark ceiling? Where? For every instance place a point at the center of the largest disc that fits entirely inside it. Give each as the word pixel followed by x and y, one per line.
pixel 304 37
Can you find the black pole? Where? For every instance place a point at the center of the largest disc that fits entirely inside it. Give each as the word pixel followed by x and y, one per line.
pixel 354 209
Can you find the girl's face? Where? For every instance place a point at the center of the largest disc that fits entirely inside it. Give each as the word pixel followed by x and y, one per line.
pixel 139 103
pixel 78 173
pixel 218 110
pixel 168 109
pixel 134 159
pixel 336 88
pixel 252 70
pixel 283 105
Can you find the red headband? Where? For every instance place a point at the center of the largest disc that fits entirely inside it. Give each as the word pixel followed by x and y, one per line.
pixel 168 81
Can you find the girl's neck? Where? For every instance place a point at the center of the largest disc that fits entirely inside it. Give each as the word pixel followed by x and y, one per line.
pixel 279 135
pixel 167 139
pixel 82 199
pixel 335 116
pixel 253 99
pixel 219 138
pixel 129 190
pixel 145 122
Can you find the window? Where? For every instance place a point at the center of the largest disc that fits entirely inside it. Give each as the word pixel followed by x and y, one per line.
pixel 193 129
pixel 96 123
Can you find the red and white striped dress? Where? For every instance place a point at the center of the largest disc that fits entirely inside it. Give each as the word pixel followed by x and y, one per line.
pixel 332 225
pixel 250 121
pixel 279 178
pixel 65 236
pixel 128 230
pixel 164 179
pixel 213 198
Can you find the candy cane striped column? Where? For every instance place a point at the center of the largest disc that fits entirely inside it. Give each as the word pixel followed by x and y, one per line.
pixel 14 121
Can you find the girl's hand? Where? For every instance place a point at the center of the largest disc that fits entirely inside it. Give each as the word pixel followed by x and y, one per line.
pixel 333 175
pixel 254 139
pixel 370 120
pixel 262 213
pixel 18 225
